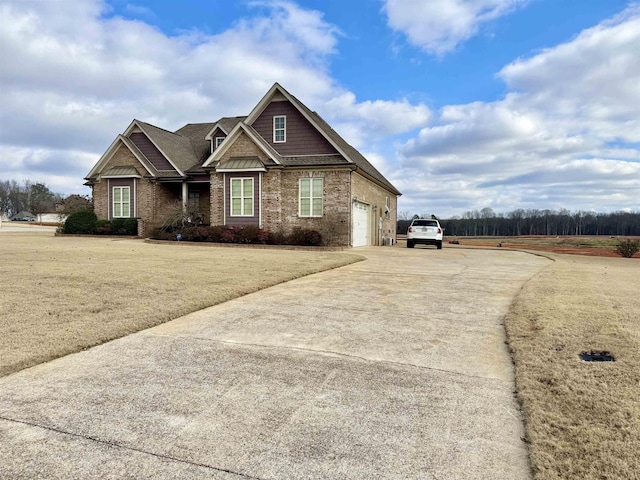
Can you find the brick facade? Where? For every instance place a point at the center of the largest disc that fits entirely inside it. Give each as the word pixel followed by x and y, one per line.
pixel 216 189
pixel 280 206
pixel 243 146
pixel 371 193
pixel 151 201
pixel 276 190
pixel 100 190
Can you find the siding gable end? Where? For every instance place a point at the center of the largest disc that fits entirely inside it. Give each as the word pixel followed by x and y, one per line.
pixel 302 138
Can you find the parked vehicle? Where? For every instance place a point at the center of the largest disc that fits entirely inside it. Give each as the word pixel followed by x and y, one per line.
pixel 424 231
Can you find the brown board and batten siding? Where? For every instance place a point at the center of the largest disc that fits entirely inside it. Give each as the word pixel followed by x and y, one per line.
pixel 123 182
pixel 302 138
pixel 150 151
pixel 233 221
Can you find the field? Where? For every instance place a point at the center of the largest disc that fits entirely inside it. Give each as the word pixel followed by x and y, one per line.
pixel 599 246
pixel 65 294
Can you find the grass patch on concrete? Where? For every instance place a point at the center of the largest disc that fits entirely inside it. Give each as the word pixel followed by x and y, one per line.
pixel 63 295
pixel 582 419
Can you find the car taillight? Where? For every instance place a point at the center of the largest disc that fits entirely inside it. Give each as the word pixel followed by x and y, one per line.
pixel 409 231
pixel 439 230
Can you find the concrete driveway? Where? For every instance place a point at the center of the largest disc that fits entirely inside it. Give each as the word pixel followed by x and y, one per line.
pixel 391 368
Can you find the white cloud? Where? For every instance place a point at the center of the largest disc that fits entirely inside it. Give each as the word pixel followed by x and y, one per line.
pixel 439 26
pixel 567 134
pixel 74 75
pixel 381 117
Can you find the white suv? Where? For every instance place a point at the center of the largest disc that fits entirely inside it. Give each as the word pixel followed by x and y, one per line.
pixel 425 231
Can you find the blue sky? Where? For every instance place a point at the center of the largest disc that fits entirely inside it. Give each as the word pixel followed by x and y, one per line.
pixel 462 104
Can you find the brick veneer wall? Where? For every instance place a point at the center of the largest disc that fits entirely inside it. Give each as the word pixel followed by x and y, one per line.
pixel 153 201
pixel 280 210
pixel 216 192
pixel 368 192
pixel 122 158
pixel 243 146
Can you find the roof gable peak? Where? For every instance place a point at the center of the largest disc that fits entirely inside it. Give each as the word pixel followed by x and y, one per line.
pixel 240 128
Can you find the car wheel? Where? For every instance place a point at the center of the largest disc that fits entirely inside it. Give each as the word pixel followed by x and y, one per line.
pixel 410 244
pixel 439 245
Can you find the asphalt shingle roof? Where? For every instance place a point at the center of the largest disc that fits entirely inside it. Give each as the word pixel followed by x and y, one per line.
pixel 177 148
pixel 310 160
pixel 187 147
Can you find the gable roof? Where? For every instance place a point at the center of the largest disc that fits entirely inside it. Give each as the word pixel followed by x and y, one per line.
pixel 260 142
pixel 106 156
pixel 226 124
pixel 188 149
pixel 354 155
pixel 176 149
pixel 196 133
pixel 347 151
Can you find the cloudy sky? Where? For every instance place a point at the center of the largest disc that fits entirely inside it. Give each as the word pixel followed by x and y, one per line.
pixel 462 104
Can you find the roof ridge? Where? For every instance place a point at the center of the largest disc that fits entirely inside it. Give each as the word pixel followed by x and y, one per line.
pixel 156 127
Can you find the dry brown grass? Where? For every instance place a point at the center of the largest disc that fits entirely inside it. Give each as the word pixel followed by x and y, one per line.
pixel 594 245
pixel 63 295
pixel 582 419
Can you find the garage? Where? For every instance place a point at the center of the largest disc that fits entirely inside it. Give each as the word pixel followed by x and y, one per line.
pixel 360 224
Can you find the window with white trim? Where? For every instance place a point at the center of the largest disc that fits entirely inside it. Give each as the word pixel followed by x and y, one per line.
pixel 310 197
pixel 242 197
pixel 279 129
pixel 219 141
pixel 121 202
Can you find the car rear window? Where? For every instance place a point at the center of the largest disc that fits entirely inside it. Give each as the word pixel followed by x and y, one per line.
pixel 425 223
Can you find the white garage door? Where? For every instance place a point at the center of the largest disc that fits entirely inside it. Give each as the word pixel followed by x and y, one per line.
pixel 360 224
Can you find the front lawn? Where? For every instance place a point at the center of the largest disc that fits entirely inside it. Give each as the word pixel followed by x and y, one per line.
pixel 60 295
pixel 582 418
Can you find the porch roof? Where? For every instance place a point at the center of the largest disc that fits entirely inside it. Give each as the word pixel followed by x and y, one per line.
pixel 239 164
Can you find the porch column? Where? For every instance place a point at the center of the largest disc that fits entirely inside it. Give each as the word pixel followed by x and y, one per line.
pixel 185 196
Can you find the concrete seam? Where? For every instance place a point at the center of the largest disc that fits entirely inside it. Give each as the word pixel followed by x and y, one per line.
pixel 325 352
pixel 116 445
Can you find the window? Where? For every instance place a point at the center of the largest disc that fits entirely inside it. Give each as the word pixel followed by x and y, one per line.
pixel 242 197
pixel 194 201
pixel 219 141
pixel 279 129
pixel 121 202
pixel 311 197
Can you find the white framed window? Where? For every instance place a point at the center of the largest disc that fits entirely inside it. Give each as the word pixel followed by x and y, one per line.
pixel 121 202
pixel 242 197
pixel 219 141
pixel 310 197
pixel 279 129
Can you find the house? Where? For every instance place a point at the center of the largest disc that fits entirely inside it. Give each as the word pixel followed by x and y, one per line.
pixel 23 216
pixel 73 203
pixel 280 167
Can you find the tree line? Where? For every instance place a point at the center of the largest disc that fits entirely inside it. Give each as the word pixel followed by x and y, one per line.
pixel 486 222
pixel 36 198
